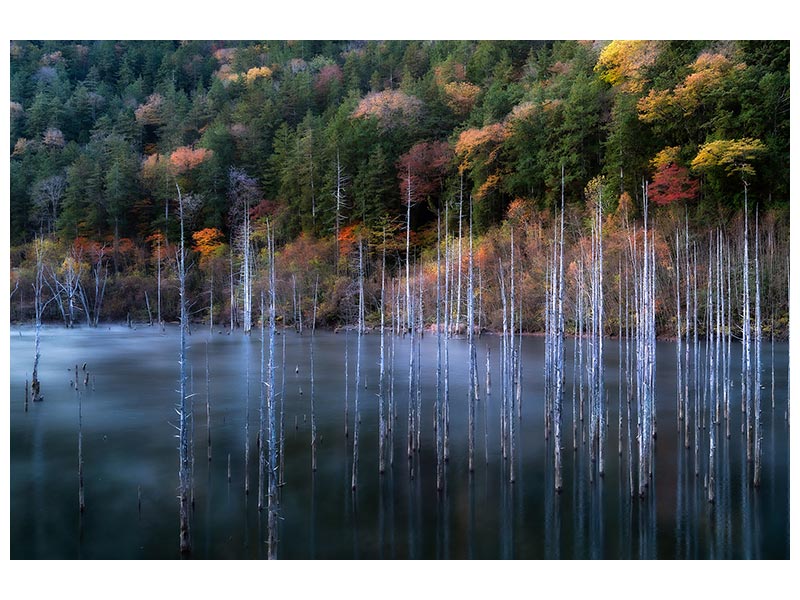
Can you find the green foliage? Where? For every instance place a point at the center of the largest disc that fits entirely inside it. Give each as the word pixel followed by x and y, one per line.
pixel 594 109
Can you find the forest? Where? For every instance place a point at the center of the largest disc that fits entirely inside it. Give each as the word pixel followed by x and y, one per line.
pixel 419 299
pixel 353 155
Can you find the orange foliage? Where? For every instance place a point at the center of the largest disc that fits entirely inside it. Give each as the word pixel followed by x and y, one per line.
pixel 472 141
pixel 708 73
pixel 348 236
pixel 390 107
pixel 517 211
pixel 487 186
pixel 159 245
pixel 303 254
pixel 207 242
pixel 449 71
pixel 185 158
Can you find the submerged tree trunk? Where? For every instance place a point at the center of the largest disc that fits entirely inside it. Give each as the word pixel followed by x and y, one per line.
pixel 184 472
pixel 39 305
pixel 272 502
pixel 559 350
pixel 356 413
pixel 757 383
pixel 471 398
pixel 313 411
pixel 381 383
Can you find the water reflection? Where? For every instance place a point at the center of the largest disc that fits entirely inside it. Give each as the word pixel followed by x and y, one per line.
pixel 131 464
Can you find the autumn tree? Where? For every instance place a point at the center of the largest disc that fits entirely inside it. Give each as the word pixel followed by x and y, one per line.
pixel 390 108
pixel 671 182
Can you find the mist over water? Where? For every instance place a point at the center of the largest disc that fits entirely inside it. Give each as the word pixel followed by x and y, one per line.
pixel 130 452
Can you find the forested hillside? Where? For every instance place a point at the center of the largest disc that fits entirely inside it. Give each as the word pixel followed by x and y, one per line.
pixel 326 144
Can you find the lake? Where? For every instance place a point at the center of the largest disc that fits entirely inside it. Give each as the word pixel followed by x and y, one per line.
pixel 131 459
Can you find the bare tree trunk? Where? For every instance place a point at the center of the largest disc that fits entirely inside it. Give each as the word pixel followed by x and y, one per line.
pixel 447 308
pixel 559 349
pixel 346 384
pixel 262 407
pixel 233 294
pixel 459 259
pixel 208 407
pixel 471 399
pixel 313 412
pixel 356 414
pixel 746 338
pixel 272 502
pixel 438 410
pixel 409 320
pixel 184 454
pixel 81 498
pixel 381 384
pixel 39 305
pixel 757 385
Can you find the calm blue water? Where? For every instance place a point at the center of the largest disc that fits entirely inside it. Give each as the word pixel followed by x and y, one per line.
pixel 129 446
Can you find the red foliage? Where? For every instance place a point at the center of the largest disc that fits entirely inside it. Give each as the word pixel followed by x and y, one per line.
pixel 326 77
pixel 672 183
pixel 265 208
pixel 428 163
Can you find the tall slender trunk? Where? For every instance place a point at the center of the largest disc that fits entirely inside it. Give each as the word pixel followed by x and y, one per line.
pixel 356 414
pixel 559 349
pixel 39 304
pixel 471 399
pixel 313 398
pixel 757 383
pixel 438 409
pixel 184 472
pixel 459 259
pixel 381 383
pixel 272 502
pixel 746 338
pixel 262 407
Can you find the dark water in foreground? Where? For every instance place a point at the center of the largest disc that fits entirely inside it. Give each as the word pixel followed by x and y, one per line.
pixel 129 444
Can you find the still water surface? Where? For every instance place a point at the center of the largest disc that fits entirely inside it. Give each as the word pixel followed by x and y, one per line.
pixel 131 459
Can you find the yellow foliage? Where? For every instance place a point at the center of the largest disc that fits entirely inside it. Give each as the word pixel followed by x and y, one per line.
pixel 656 106
pixel 666 156
pixel 734 156
pixel 708 73
pixel 461 96
pixel 622 61
pixel 256 73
